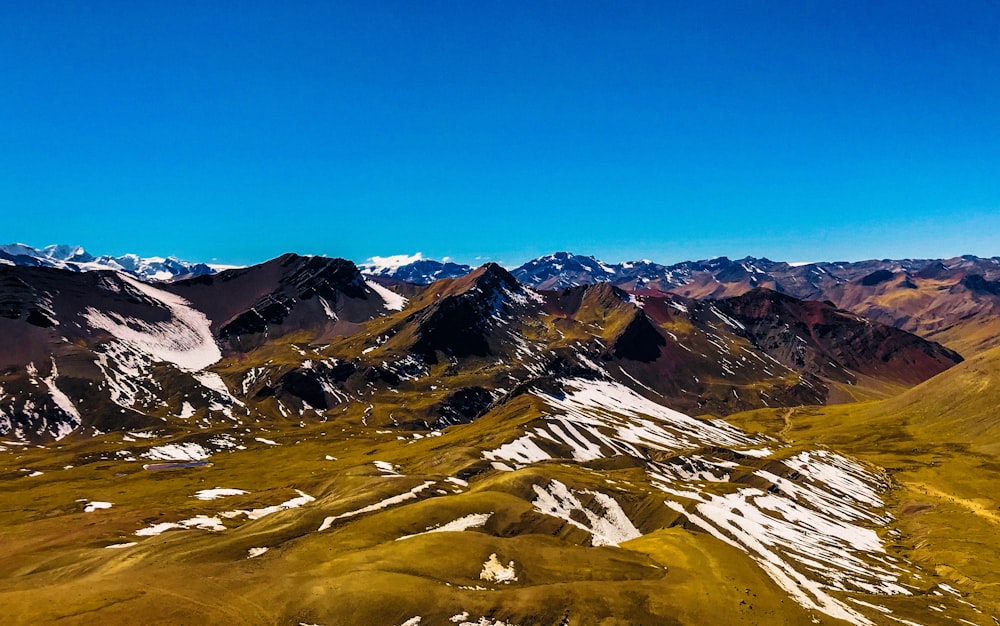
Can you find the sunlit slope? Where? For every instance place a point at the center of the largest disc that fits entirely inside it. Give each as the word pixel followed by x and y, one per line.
pixel 939 443
pixel 365 566
pixel 582 504
pixel 958 407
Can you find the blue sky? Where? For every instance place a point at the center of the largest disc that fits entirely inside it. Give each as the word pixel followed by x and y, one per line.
pixel 501 130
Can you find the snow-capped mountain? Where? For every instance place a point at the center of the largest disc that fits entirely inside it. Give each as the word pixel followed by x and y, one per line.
pixel 564 269
pixel 76 259
pixel 413 269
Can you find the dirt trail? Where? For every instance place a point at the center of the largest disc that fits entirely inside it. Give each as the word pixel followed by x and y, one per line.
pixel 787 418
pixel 971 505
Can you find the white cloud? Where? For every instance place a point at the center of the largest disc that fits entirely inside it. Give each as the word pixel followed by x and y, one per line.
pixel 379 264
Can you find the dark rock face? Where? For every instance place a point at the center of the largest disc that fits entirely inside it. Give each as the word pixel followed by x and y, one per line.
pixel 311 383
pixel 320 276
pixel 732 273
pixel 37 318
pixel 463 406
pixel 20 300
pixel 876 278
pixel 455 327
pixel 977 283
pixel 640 341
pixel 305 385
pixel 818 338
pixel 257 319
pixel 935 269
pixel 459 324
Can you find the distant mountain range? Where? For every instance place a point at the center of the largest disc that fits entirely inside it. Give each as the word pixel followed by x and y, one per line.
pixel 953 301
pixel 76 259
pixel 413 269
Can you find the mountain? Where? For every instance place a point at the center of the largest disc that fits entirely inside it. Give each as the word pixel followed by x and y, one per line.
pixel 413 269
pixel 325 446
pixel 100 350
pixel 818 337
pixel 562 269
pixel 952 301
pixel 76 259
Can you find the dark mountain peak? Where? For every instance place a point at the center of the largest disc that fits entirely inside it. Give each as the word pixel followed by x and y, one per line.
pixel 827 341
pixel 472 315
pixel 594 297
pixel 492 277
pixel 565 269
pixel 287 293
pixel 978 283
pixel 934 269
pixel 639 341
pixel 876 278
pixel 324 276
pixel 607 290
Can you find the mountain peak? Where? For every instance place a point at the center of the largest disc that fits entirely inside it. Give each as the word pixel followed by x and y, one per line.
pixel 68 253
pixel 491 277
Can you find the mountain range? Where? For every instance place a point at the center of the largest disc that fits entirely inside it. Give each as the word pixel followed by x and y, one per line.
pixel 952 301
pixel 310 441
pixel 76 259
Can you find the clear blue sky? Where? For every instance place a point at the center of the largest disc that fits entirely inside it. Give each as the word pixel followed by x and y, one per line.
pixel 497 129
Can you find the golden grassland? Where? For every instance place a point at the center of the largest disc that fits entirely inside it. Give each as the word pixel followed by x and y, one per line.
pixel 937 443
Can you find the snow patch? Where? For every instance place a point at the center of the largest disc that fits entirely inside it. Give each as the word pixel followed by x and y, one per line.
pixel 495 571
pixel 64 403
pixel 252 514
pixel 202 522
pixel 185 340
pixel 188 451
pixel 403 497
pixel 393 301
pixel 608 525
pixel 218 492
pixel 474 520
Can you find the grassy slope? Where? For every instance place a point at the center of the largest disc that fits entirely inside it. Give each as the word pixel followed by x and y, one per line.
pixel 355 572
pixel 939 441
